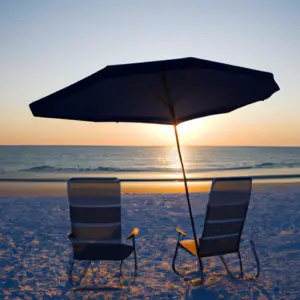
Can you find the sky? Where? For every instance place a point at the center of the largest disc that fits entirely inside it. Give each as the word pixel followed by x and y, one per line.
pixel 47 45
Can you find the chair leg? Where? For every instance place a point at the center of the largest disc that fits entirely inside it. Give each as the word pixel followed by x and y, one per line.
pixel 81 278
pixel 201 269
pixel 78 287
pixel 227 268
pixel 121 273
pixel 256 260
pixel 135 265
pixel 241 265
pixel 121 268
pixel 174 259
pixel 181 275
pixel 85 271
pixel 71 272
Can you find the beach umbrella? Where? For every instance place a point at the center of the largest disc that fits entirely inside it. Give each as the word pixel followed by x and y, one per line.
pixel 162 92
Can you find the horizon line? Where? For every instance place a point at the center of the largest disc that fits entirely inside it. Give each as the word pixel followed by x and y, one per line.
pixel 88 145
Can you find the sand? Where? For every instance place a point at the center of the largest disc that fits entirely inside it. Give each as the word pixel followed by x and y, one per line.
pixel 35 253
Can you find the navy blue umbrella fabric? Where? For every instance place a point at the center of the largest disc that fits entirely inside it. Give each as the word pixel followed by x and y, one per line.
pixel 144 92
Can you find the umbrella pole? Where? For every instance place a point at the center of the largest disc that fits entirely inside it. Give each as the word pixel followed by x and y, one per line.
pixel 188 200
pixel 171 107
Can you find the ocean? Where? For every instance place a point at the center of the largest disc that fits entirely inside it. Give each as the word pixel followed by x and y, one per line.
pixel 50 163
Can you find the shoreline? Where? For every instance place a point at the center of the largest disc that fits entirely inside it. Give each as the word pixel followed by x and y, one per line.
pixel 56 189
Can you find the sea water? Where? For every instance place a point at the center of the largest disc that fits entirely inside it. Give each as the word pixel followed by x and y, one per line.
pixel 62 162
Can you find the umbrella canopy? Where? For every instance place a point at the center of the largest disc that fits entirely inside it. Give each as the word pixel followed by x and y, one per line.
pixel 162 92
pixel 145 92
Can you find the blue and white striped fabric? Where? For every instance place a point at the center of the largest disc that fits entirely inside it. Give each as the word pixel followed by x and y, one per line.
pixel 226 213
pixel 95 210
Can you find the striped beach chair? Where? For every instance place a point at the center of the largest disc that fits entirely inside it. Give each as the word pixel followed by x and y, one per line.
pixel 224 221
pixel 96 233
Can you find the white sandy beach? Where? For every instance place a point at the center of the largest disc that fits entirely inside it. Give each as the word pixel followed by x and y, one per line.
pixel 35 252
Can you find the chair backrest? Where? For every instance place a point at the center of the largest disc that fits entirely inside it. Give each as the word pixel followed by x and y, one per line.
pixel 225 215
pixel 95 209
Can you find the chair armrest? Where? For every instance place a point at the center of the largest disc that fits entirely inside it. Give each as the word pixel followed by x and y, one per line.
pixel 180 231
pixel 135 231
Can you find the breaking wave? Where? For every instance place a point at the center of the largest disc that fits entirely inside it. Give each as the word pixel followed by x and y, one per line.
pixel 51 169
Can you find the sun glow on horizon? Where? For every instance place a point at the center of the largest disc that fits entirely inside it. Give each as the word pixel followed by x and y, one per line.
pixel 189 132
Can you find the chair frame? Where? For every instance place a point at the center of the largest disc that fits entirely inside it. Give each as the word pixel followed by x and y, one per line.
pixel 77 285
pixel 132 236
pixel 181 235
